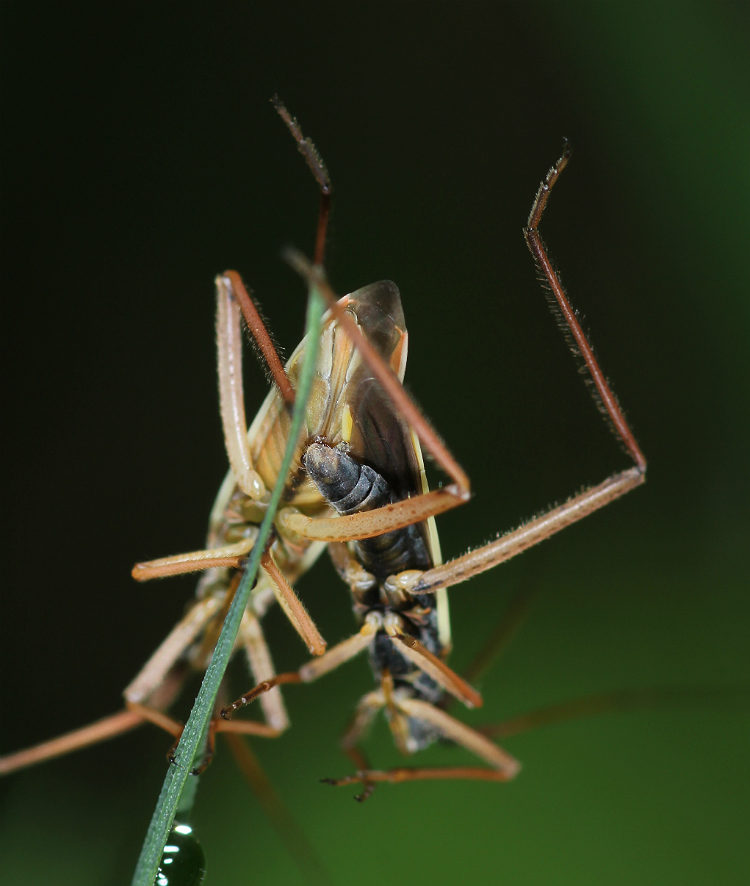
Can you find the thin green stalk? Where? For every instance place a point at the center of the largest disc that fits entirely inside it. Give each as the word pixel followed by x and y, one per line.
pixel 191 743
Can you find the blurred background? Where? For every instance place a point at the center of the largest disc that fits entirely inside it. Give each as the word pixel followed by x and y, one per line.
pixel 140 156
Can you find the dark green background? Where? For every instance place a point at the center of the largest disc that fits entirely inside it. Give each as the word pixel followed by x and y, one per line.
pixel 141 157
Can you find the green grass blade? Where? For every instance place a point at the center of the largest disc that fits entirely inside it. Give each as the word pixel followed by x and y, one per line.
pixel 191 742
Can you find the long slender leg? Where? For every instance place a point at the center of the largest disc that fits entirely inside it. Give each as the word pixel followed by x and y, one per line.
pixel 538 251
pixel 195 561
pixel 418 773
pixel 504 766
pixel 460 489
pixel 419 507
pixel 377 521
pixel 286 825
pixel 619 701
pixel 457 731
pixel 450 496
pixel 232 556
pixel 512 543
pixel 412 649
pixel 411 510
pixel 102 730
pixel 504 632
pixel 292 606
pixel 261 668
pixel 329 661
pixel 234 289
pixel 153 673
pixel 233 301
pixel 367 524
pixel 357 729
pixel 231 390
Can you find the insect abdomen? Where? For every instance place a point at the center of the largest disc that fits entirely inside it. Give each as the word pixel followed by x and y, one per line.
pixel 351 487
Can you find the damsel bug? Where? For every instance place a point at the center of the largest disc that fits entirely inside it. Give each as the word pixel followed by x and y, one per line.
pixel 357 485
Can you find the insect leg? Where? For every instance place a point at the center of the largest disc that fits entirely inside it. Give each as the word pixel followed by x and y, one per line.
pixel 233 301
pixel 529 534
pixel 195 561
pixel 101 730
pixel 457 731
pixel 367 524
pixel 286 825
pixel 504 766
pixel 536 530
pixel 357 729
pixel 619 701
pixel 360 724
pixel 460 489
pixel 329 661
pixel 231 391
pixel 261 668
pixel 232 555
pixel 234 290
pixel 412 649
pixel 505 630
pixel 108 727
pixel 293 607
pixel 153 673
pixel 582 345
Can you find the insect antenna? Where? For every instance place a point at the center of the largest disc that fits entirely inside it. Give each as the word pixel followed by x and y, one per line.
pixel 318 169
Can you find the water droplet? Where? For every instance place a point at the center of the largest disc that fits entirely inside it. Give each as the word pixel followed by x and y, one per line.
pixel 183 862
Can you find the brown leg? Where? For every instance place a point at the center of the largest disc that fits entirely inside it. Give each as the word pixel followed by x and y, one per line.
pixel 102 730
pixel 195 561
pixel 412 510
pixel 412 649
pixel 231 389
pixel 233 301
pixel 262 668
pixel 245 727
pixel 292 606
pixel 393 388
pixel 381 520
pixel 350 527
pixel 534 241
pixel 359 726
pixel 236 290
pixel 416 773
pixel 512 543
pixel 503 766
pixel 154 672
pixel 512 619
pixel 330 660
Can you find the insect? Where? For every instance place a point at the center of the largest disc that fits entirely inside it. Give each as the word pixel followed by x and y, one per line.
pixel 357 486
pixel 384 543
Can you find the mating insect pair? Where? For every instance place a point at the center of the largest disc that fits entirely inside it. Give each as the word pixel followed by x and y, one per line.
pixel 356 486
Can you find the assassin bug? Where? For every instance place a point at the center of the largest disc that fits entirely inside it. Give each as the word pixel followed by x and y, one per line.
pixel 362 432
pixel 383 540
